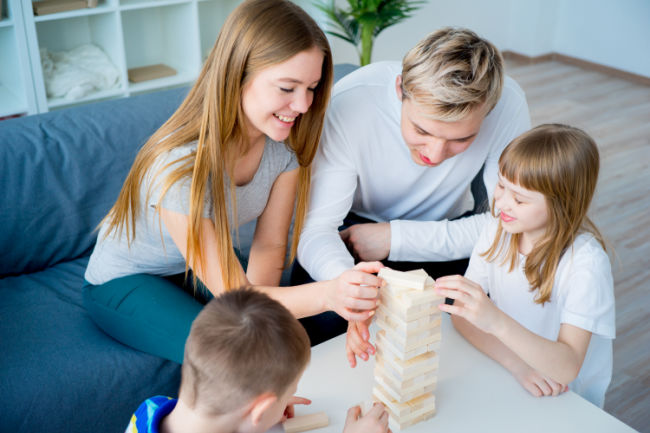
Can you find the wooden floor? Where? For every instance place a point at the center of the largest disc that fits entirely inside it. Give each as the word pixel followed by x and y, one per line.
pixel 616 112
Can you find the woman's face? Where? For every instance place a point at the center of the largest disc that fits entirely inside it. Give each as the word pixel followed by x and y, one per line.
pixel 277 95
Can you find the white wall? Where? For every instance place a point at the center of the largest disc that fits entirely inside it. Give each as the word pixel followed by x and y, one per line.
pixel 614 33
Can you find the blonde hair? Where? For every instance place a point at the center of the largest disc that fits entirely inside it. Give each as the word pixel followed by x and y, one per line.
pixel 562 163
pixel 451 72
pixel 242 344
pixel 256 35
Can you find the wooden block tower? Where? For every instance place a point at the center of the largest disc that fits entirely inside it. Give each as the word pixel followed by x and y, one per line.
pixel 408 339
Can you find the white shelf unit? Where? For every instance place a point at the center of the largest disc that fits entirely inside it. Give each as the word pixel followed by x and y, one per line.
pixel 16 91
pixel 132 33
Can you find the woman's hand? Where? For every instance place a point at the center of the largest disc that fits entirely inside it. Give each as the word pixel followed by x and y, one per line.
pixel 289 411
pixel 357 342
pixel 375 421
pixel 474 305
pixel 354 294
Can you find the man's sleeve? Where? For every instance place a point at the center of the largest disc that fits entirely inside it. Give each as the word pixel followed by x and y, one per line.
pixel 334 180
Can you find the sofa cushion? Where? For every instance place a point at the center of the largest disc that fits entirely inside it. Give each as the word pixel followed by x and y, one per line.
pixel 61 173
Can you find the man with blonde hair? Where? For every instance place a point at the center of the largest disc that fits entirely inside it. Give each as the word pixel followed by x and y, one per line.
pixel 400 147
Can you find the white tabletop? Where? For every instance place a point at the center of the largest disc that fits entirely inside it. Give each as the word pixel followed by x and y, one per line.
pixel 474 394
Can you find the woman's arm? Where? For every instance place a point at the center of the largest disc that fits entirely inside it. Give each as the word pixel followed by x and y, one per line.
pixel 177 225
pixel 269 248
pixel 353 295
pixel 560 360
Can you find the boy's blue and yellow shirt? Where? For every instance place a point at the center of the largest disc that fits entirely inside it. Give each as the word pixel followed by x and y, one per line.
pixel 148 415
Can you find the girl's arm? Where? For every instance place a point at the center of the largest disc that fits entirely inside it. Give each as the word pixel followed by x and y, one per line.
pixel 534 382
pixel 560 360
pixel 269 248
pixel 353 295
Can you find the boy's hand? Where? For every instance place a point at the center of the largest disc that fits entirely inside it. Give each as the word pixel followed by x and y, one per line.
pixel 474 305
pixel 375 421
pixel 289 411
pixel 536 383
pixel 353 295
pixel 357 342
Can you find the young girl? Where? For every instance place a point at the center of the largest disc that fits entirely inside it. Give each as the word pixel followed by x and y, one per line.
pixel 238 149
pixel 549 317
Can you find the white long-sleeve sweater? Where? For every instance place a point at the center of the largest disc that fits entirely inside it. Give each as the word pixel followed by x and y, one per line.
pixel 364 165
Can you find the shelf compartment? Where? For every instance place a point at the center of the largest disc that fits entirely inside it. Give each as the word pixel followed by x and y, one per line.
pixel 68 33
pixel 166 35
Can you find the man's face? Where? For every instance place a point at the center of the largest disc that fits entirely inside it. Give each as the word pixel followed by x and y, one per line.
pixel 433 141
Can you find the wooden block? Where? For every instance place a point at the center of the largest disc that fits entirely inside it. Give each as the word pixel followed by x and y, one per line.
pixel 405 395
pixel 399 383
pixel 403 279
pixel 404 355
pixel 411 368
pixel 302 423
pixel 398 308
pixel 407 343
pixel 412 419
pixel 400 410
pixel 151 72
pixel 404 328
pixel 46 7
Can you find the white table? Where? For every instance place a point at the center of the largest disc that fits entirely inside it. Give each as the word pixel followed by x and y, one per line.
pixel 474 394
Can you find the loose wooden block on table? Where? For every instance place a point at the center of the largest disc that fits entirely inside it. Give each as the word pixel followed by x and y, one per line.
pixel 302 423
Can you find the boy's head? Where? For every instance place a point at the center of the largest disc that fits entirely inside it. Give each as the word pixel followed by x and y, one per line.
pixel 243 347
pixel 450 81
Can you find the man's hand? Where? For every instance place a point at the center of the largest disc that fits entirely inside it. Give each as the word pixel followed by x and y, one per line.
pixel 368 242
pixel 356 342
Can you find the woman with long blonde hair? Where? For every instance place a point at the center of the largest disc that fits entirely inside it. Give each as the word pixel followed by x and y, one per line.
pixel 238 149
pixel 549 318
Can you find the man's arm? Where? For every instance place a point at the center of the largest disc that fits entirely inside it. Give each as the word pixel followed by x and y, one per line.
pixel 334 180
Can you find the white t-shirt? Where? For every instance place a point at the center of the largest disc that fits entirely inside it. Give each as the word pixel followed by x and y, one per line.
pixel 363 165
pixel 583 296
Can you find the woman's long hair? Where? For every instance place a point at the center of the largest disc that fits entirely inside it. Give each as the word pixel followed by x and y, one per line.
pixel 562 163
pixel 256 35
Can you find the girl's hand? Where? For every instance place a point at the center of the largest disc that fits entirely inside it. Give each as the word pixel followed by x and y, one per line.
pixel 289 411
pixel 536 383
pixel 353 295
pixel 356 342
pixel 375 421
pixel 470 302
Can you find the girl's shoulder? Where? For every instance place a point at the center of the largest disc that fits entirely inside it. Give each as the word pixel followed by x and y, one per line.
pixel 586 249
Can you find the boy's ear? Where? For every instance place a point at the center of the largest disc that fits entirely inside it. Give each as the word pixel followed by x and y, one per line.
pixel 260 405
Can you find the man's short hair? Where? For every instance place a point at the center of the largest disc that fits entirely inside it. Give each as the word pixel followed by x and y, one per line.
pixel 241 345
pixel 451 72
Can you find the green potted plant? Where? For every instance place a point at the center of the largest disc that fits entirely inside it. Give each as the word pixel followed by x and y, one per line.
pixel 363 20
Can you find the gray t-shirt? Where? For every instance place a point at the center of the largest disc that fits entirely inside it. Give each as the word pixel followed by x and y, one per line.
pixel 153 251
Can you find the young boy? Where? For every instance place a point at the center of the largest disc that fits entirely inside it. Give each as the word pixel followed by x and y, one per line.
pixel 243 360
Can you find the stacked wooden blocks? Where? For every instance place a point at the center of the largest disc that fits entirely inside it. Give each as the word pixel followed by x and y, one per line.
pixel 406 368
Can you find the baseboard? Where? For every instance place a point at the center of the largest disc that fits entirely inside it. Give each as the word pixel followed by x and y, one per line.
pixel 640 79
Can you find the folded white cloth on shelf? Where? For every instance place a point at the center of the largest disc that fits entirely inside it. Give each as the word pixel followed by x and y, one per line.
pixel 78 72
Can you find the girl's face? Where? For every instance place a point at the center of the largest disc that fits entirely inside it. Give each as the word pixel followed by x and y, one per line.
pixel 521 211
pixel 277 95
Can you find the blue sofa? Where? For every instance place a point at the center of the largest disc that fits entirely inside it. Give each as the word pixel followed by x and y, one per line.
pixel 60 173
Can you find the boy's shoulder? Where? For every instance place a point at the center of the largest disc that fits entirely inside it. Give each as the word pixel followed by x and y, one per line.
pixel 147 417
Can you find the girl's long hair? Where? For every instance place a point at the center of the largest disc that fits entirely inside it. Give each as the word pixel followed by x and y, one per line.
pixel 562 163
pixel 256 35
